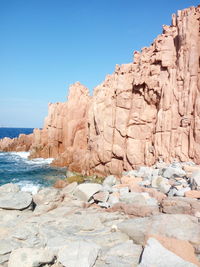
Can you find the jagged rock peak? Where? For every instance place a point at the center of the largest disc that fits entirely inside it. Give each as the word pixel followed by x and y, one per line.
pixel 76 90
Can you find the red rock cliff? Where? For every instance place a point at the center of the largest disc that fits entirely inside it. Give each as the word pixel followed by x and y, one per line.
pixel 145 110
pixel 150 108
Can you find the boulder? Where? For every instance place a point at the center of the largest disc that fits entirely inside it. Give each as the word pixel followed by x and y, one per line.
pixel 30 257
pixel 162 184
pixel 15 200
pixel 195 180
pixel 144 172
pixel 171 172
pixel 101 196
pixel 47 199
pixel 137 229
pixel 179 191
pixel 46 196
pixel 110 180
pixel 78 253
pixel 155 254
pixel 179 247
pixel 159 196
pixel 86 191
pixel 178 226
pixel 113 199
pixel 136 209
pixel 123 254
pixel 193 194
pixel 180 205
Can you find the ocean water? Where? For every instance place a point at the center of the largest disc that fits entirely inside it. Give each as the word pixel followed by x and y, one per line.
pixel 30 175
pixel 14 132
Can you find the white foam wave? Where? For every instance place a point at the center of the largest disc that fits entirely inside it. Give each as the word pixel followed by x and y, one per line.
pixel 27 186
pixel 23 155
pixel 40 161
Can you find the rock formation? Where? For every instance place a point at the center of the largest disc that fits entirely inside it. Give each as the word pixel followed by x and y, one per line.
pixel 145 111
pixel 22 143
pixel 65 129
pixel 150 109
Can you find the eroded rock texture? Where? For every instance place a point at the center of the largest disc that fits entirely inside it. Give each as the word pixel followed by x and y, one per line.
pixel 145 110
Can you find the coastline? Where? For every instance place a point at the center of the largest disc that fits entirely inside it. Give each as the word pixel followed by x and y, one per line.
pixel 116 222
pixel 29 174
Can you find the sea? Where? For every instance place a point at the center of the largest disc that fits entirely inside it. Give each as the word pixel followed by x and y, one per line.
pixel 30 175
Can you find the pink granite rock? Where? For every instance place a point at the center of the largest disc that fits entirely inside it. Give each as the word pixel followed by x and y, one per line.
pixel 22 143
pixel 193 194
pixel 150 108
pixel 65 131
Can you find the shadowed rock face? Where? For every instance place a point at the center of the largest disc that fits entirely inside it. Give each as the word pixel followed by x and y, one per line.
pixel 145 110
pixel 65 129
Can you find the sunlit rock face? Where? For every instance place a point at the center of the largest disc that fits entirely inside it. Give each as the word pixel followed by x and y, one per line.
pixel 146 110
pixel 22 143
pixel 150 109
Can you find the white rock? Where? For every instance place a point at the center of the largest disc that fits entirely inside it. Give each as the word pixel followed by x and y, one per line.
pixel 164 186
pixel 161 183
pixel 86 191
pixel 78 253
pixel 144 172
pixel 110 180
pixel 171 172
pixel 123 191
pixel 69 189
pixel 133 197
pixel 15 200
pixel 29 257
pixel 195 180
pixel 107 188
pixel 113 200
pixel 156 255
pixel 47 195
pixel 181 192
pixel 123 254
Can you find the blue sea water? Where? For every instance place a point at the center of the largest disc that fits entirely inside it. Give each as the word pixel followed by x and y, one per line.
pixel 14 132
pixel 30 175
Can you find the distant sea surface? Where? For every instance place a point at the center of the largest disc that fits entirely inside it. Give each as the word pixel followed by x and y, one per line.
pixel 30 175
pixel 14 132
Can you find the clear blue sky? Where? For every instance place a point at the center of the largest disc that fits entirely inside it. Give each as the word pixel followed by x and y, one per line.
pixel 46 45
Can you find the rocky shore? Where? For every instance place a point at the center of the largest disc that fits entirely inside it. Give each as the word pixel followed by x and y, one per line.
pixel 148 217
